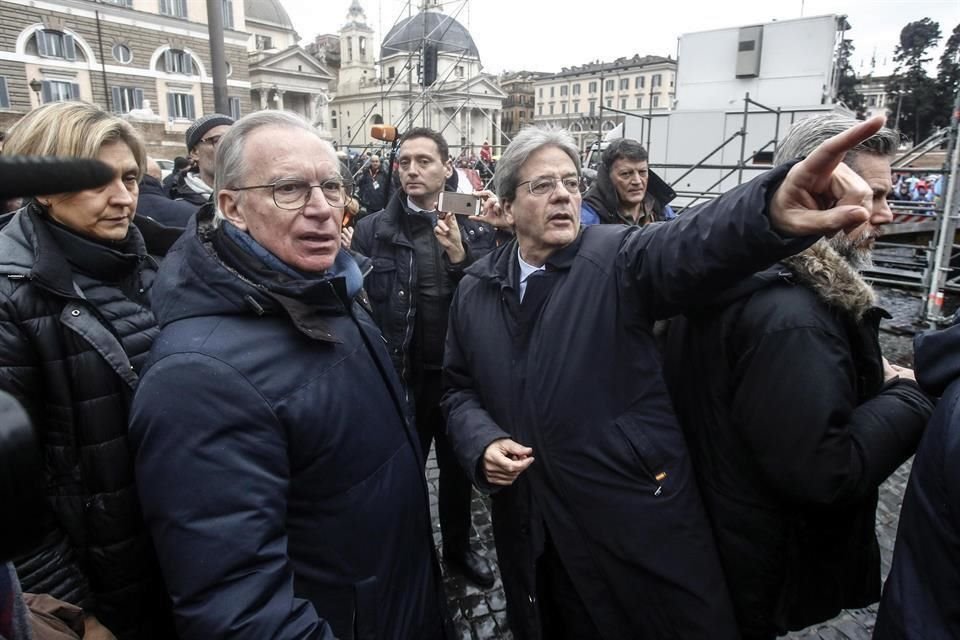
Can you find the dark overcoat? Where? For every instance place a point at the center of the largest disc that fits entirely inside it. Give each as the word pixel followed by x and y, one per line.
pixel 779 386
pixel 280 480
pixel 580 383
pixel 921 598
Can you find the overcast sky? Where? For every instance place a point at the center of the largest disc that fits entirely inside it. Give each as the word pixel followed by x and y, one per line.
pixel 545 36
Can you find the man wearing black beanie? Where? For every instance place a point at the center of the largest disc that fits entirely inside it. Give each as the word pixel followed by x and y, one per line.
pixel 202 138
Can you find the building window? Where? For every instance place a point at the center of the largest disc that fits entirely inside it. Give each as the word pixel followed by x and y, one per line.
pixel 264 43
pixel 349 49
pixel 638 82
pixel 576 89
pixel 608 85
pixel 540 109
pixel 4 96
pixel 177 61
pixel 576 107
pixel 531 114
pixel 541 92
pixel 624 83
pixel 563 108
pixel 872 101
pixel 656 80
pixel 639 102
pixel 623 104
pixel 363 47
pixel 126 98
pixel 228 14
pixel 55 44
pixel 459 71
pixel 391 73
pixel 551 91
pixel 234 106
pixel 563 90
pixel 655 102
pixel 609 102
pixel 333 119
pixel 122 53
pixel 592 88
pixel 119 3
pixel 58 91
pixel 593 107
pixel 671 81
pixel 180 106
pixel 175 8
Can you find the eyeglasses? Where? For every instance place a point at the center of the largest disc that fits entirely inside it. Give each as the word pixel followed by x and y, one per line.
pixel 295 194
pixel 545 185
pixel 212 140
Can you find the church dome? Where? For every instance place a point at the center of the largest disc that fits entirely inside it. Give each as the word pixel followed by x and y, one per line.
pixel 409 34
pixel 269 11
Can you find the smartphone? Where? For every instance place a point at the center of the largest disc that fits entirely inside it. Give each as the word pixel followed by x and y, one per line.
pixel 462 203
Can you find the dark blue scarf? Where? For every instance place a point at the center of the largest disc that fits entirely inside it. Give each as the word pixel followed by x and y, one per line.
pixel 344 266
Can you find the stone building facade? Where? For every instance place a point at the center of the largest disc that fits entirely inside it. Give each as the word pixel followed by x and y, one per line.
pixel 145 59
pixel 586 99
pixel 462 102
pixel 520 105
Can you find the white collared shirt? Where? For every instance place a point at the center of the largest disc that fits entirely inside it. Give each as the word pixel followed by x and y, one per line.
pixel 416 209
pixel 526 270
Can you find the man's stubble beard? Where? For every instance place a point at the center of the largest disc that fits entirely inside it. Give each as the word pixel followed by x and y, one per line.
pixel 858 252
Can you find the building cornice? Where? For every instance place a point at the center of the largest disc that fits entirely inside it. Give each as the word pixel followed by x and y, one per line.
pixel 130 17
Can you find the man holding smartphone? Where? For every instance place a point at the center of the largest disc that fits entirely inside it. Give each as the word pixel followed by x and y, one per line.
pixel 419 255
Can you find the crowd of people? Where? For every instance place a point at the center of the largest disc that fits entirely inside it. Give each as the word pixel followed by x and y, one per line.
pixel 908 188
pixel 235 392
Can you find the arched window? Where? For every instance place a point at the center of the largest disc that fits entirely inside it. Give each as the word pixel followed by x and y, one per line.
pixel 55 44
pixel 179 61
pixel 377 118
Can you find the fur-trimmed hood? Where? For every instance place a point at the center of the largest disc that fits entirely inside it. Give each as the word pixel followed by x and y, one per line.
pixel 832 278
pixel 819 268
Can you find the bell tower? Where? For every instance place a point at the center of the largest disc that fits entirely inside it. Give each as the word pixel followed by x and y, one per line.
pixel 357 55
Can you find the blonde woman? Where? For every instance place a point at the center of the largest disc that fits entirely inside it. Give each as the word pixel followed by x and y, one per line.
pixel 75 328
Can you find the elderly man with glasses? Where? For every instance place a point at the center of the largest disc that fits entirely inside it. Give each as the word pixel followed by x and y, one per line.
pixel 279 476
pixel 196 185
pixel 557 404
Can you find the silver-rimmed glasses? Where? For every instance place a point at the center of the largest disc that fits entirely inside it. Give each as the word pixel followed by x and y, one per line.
pixel 295 194
pixel 545 185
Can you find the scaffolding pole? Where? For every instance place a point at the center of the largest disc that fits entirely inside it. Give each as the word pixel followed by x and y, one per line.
pixel 933 305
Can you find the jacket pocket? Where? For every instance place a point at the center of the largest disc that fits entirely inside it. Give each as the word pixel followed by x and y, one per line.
pixel 652 461
pixel 381 279
pixel 365 609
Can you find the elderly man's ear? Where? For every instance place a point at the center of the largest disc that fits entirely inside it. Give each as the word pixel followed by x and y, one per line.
pixel 227 202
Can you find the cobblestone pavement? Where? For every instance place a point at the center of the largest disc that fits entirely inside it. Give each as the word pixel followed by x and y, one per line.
pixel 480 614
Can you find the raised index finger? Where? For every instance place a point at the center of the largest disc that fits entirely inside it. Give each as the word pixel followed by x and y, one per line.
pixel 831 151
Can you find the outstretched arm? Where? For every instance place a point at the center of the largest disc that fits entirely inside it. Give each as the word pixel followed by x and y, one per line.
pixel 667 268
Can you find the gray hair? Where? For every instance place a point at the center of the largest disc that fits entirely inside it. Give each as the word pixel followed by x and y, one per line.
pixel 231 165
pixel 528 141
pixel 807 134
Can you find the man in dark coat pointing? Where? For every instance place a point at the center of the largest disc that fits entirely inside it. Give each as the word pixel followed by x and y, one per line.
pixel 556 400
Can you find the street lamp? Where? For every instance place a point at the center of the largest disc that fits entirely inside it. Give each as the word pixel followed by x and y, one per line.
pixel 36 86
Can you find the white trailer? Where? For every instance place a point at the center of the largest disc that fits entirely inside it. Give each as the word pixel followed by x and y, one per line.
pixel 738 92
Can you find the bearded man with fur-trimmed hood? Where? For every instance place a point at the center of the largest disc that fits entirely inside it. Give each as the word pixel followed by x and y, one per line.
pixel 794 417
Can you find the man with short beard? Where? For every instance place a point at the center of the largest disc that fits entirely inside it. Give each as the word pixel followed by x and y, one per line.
pixel 794 417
